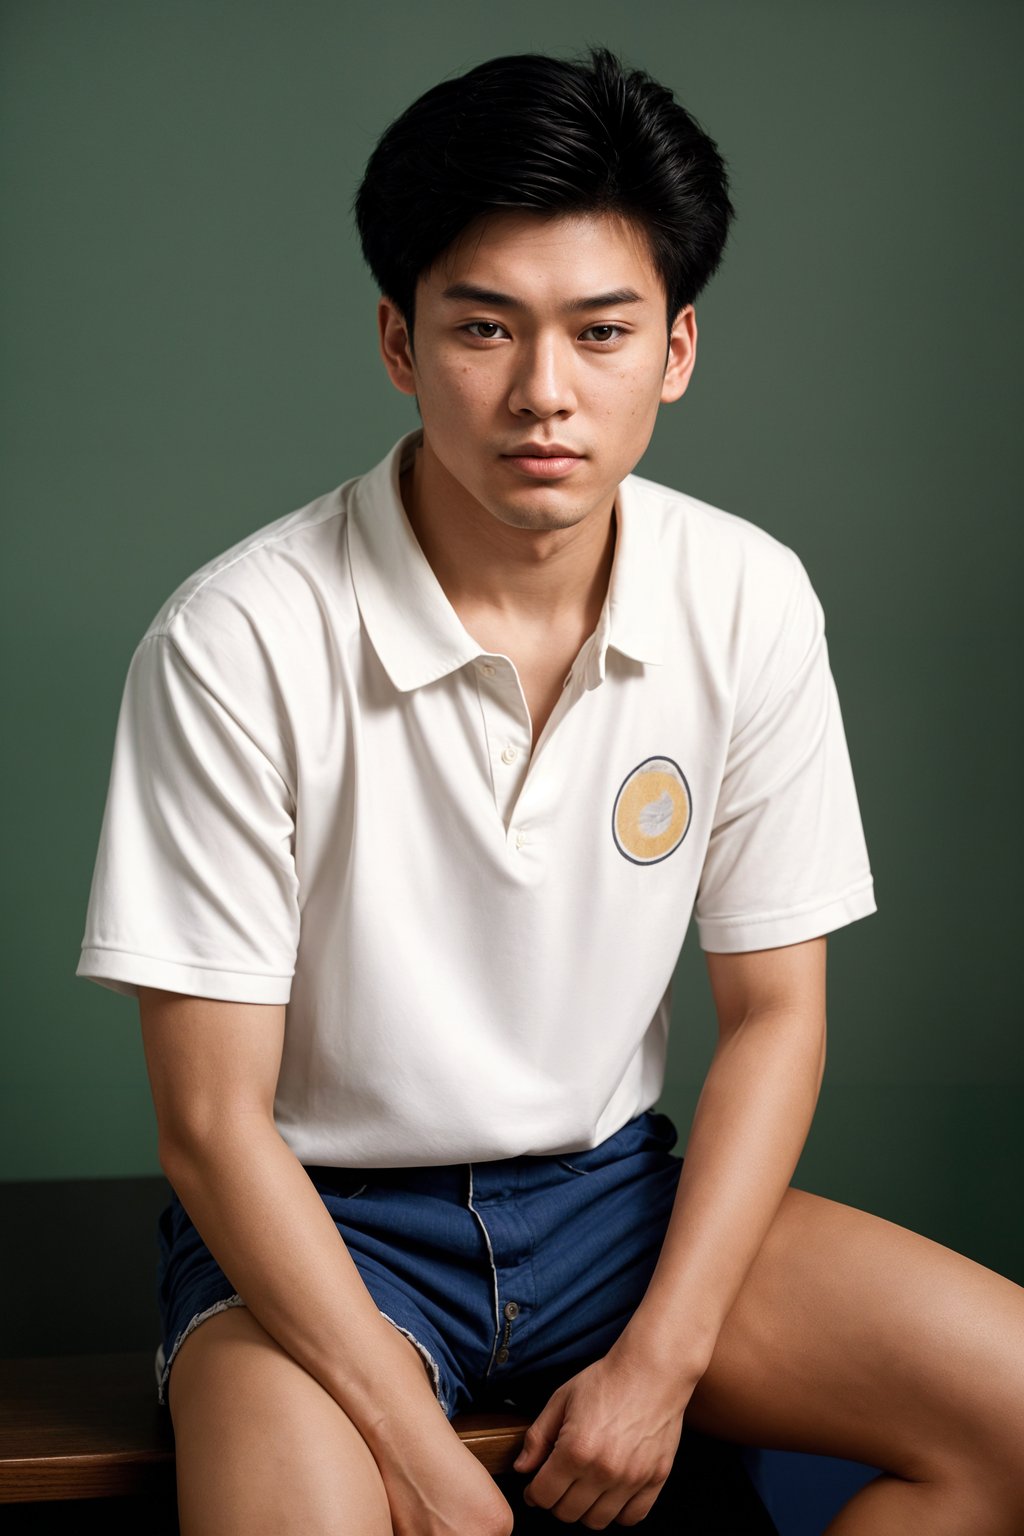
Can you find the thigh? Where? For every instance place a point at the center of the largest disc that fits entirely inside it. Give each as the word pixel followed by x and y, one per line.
pixel 854 1337
pixel 261 1446
pixel 193 1290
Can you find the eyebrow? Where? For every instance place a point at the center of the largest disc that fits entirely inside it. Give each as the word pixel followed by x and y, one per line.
pixel 477 295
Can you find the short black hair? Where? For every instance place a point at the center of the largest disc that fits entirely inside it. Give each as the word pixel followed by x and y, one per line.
pixel 534 133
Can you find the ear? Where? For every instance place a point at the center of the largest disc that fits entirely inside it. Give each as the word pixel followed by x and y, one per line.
pixel 393 334
pixel 682 354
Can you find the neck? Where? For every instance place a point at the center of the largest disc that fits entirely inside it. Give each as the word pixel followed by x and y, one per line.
pixel 494 573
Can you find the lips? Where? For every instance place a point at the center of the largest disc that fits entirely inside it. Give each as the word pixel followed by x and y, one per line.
pixel 548 466
pixel 550 463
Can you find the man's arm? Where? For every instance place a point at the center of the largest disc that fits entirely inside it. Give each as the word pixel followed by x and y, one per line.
pixel 213 1069
pixel 617 1424
pixel 748 1132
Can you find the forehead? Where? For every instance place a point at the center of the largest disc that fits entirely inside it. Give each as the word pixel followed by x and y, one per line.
pixel 532 254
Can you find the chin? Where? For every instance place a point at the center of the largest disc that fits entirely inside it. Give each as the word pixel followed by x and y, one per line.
pixel 540 519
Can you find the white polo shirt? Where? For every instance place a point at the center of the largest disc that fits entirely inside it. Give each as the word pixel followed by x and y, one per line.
pixel 322 795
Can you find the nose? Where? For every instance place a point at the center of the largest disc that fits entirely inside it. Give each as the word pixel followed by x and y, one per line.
pixel 543 384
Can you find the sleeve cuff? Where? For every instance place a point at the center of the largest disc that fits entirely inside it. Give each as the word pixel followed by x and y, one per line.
pixel 731 935
pixel 124 972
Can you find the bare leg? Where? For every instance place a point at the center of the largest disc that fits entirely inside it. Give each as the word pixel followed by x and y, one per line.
pixel 262 1448
pixel 855 1337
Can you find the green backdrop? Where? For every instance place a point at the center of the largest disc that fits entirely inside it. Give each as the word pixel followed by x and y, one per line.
pixel 191 352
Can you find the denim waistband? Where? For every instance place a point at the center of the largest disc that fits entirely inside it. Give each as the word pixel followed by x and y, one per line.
pixel 493 1178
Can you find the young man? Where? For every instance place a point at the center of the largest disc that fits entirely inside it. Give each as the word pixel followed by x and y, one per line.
pixel 413 795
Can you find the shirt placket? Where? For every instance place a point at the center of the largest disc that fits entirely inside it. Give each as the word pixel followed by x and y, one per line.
pixel 522 783
pixel 507 730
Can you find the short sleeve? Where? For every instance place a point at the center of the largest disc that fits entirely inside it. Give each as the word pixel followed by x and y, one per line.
pixel 786 859
pixel 194 888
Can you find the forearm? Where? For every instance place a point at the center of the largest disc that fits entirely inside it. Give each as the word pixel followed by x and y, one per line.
pixel 263 1221
pixel 748 1131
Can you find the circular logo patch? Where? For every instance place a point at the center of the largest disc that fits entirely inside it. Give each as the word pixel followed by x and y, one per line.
pixel 652 811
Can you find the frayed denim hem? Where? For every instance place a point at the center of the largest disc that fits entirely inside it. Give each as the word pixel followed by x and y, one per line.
pixel 428 1359
pixel 162 1366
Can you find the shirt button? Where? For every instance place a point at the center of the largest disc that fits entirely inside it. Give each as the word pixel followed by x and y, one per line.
pixel 502 1355
pixel 510 754
pixel 520 839
pixel 511 1309
pixel 487 668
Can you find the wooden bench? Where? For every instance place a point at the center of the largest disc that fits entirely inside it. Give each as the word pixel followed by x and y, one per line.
pixel 90 1427
pixel 76 1430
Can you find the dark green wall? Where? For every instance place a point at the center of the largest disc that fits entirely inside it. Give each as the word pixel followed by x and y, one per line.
pixel 190 352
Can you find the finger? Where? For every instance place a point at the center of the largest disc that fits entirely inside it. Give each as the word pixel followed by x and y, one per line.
pixel 640 1505
pixel 548 1486
pixel 535 1448
pixel 579 1500
pixel 555 1481
pixel 600 1515
pixel 605 1509
pixel 541 1435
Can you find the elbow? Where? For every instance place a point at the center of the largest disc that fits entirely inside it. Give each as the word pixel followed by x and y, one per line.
pixel 185 1148
pixel 175 1153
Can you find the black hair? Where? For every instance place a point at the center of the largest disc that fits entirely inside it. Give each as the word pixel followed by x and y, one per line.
pixel 535 133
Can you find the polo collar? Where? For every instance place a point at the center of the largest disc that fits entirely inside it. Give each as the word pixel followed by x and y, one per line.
pixel 415 630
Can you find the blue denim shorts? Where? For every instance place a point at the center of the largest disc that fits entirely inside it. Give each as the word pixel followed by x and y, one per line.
pixel 508 1276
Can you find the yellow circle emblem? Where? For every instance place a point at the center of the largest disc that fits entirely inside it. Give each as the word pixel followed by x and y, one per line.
pixel 652 811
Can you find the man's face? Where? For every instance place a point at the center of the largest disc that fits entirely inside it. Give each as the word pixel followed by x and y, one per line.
pixel 523 362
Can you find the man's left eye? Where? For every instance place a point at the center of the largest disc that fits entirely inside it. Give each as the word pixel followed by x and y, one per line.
pixel 616 328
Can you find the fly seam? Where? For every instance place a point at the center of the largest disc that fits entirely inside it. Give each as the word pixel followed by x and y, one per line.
pixel 494 1270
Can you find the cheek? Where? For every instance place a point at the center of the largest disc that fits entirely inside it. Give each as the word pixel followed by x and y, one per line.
pixel 461 386
pixel 631 394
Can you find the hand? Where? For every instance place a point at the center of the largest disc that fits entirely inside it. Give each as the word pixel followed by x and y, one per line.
pixel 604 1443
pixel 436 1487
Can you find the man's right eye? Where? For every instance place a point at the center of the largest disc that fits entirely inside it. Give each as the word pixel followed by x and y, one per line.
pixel 487 324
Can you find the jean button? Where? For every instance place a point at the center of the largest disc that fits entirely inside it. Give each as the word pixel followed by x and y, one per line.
pixel 502 1355
pixel 511 1309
